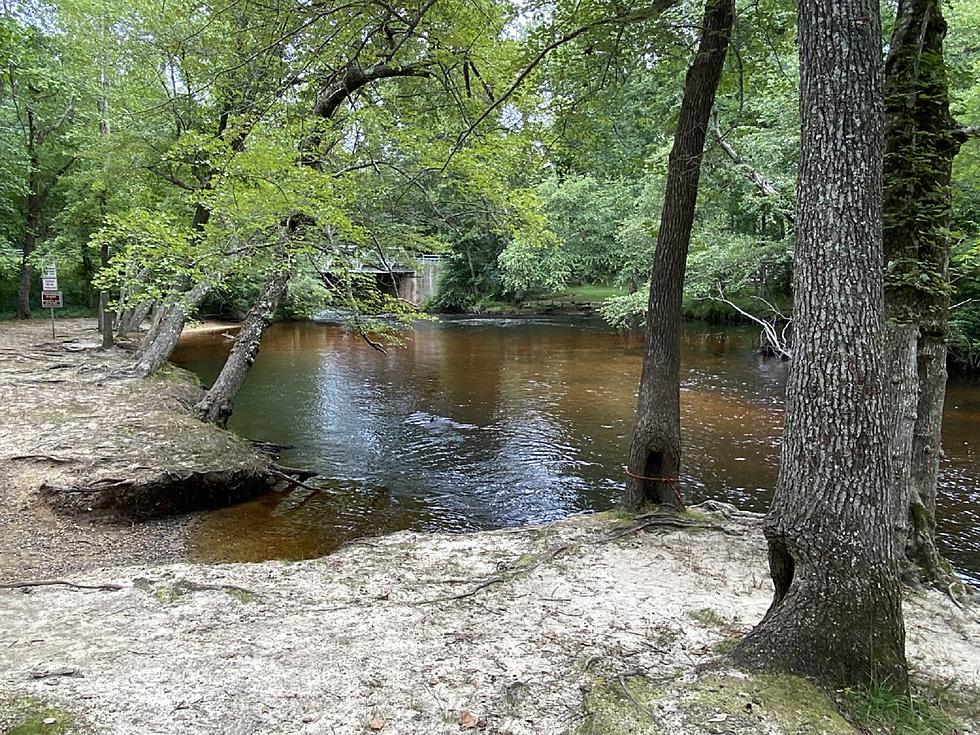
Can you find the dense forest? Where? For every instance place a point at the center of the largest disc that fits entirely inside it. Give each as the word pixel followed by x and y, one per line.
pixel 150 149
pixel 810 170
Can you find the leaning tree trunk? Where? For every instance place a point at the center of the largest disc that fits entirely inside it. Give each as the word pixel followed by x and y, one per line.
pixel 833 547
pixel 131 319
pixel 919 151
pixel 655 449
pixel 160 341
pixel 216 405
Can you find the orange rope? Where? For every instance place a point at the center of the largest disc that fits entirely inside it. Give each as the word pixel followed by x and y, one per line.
pixel 652 479
pixel 671 482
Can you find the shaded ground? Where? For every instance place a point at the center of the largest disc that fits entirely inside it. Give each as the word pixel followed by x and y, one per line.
pixel 85 450
pixel 577 627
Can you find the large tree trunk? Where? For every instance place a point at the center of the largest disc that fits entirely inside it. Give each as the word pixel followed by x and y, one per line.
pixel 216 405
pixel 165 331
pixel 834 551
pixel 919 151
pixel 105 314
pixel 655 449
pixel 27 272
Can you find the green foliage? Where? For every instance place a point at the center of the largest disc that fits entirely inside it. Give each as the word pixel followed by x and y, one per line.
pixel 529 148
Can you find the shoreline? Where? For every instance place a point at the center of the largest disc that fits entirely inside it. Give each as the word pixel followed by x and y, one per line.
pixel 76 496
pixel 597 623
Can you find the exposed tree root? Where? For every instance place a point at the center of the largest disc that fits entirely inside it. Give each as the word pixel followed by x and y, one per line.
pixel 507 573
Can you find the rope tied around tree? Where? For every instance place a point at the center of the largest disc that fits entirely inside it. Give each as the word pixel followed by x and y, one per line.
pixel 670 482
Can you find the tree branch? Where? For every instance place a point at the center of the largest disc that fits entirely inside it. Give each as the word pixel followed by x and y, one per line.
pixel 765 187
pixel 963 133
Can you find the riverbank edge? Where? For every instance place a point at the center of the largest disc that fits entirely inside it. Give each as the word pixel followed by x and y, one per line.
pixel 99 467
pixel 599 623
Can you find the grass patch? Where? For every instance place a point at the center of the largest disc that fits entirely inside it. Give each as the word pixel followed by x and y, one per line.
pixel 879 709
pixel 168 594
pixel 590 292
pixel 620 706
pixel 30 716
pixel 709 618
pixel 792 704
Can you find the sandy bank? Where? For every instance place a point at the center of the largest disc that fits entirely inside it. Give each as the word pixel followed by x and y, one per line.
pixel 81 444
pixel 578 627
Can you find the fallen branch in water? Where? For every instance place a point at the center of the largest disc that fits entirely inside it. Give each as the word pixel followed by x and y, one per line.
pixel 294 482
pixel 293 471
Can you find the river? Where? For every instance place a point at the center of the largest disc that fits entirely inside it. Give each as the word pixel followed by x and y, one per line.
pixel 487 423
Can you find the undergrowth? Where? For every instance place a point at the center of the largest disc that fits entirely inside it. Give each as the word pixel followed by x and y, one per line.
pixel 880 709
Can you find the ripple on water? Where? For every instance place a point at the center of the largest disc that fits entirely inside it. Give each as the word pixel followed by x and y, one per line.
pixel 486 423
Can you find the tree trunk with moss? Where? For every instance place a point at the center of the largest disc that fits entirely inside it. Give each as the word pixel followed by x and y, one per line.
pixel 920 145
pixel 655 449
pixel 834 554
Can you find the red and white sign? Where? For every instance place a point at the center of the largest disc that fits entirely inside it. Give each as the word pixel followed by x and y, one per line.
pixel 51 300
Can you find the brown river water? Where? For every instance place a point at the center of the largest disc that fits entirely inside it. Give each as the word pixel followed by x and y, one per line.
pixel 487 423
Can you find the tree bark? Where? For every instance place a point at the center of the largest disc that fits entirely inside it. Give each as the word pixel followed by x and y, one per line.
pixel 832 529
pixel 927 564
pixel 105 314
pixel 920 145
pixel 217 404
pixel 27 272
pixel 35 200
pixel 655 449
pixel 165 331
pixel 131 319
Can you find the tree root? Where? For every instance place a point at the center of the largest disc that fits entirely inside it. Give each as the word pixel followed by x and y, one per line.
pixel 645 521
pixel 506 574
pixel 650 520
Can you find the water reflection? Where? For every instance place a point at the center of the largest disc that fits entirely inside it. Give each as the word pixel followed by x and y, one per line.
pixel 487 423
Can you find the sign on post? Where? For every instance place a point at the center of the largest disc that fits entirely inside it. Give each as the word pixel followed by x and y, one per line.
pixel 51 297
pixel 52 300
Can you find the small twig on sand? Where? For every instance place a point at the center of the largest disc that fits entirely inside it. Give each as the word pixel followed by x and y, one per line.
pixel 633 700
pixel 51 582
pixel 192 586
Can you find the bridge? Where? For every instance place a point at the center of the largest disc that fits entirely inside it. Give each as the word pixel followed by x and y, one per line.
pixel 415 283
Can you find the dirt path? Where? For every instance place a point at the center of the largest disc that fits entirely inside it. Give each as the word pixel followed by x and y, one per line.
pixel 78 436
pixel 557 629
